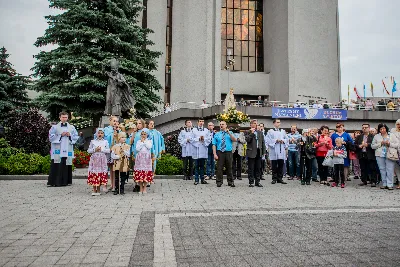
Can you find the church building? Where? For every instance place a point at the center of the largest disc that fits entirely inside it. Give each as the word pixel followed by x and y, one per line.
pixel 284 50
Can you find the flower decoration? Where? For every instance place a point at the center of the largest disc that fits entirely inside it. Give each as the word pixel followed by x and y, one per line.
pixel 233 116
pixel 81 158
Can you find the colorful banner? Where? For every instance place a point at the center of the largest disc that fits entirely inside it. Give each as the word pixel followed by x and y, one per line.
pixel 309 113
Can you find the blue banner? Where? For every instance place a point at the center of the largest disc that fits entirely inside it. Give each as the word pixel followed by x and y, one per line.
pixel 310 113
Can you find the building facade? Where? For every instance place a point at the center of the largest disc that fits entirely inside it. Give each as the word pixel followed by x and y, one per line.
pixel 284 50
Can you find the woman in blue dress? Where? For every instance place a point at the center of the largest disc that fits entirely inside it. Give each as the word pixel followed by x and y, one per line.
pixel 348 142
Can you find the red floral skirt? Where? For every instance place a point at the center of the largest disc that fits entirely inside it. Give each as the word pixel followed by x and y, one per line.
pixel 143 176
pixel 97 179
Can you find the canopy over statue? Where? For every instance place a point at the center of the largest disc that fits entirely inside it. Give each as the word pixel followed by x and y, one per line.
pixel 119 99
pixel 230 100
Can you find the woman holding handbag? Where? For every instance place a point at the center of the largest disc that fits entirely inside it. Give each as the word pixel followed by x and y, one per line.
pixel 386 154
pixel 323 145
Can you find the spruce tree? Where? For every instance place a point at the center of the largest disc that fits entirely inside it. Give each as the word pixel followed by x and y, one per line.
pixel 88 34
pixel 13 86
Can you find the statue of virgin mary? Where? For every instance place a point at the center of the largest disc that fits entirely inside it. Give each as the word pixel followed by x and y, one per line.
pixel 230 100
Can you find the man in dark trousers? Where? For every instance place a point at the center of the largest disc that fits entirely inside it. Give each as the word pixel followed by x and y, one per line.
pixel 255 150
pixel 366 156
pixel 222 150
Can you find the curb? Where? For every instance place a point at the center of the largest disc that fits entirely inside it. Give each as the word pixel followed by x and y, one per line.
pixel 77 177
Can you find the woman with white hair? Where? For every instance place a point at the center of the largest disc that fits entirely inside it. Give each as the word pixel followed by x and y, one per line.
pixel 396 133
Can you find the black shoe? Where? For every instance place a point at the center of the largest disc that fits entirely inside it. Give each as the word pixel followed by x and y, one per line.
pixel 122 193
pixel 373 185
pixel 219 185
pixel 362 184
pixel 259 185
pixel 315 180
pixel 273 182
pixel 262 178
pixel 281 182
pixel 251 185
pixel 190 178
pixel 203 182
pixel 148 185
pixel 234 178
pixel 232 185
pixel 308 183
pixel 303 183
pixel 196 183
pixel 239 178
pixel 116 192
pixel 356 177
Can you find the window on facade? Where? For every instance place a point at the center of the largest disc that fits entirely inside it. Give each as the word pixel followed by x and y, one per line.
pixel 242 30
pixel 167 98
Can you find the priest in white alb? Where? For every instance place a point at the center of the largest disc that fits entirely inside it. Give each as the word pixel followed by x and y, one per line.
pixel 62 137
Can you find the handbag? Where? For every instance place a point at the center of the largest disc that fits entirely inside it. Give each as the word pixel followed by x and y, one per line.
pixel 392 154
pixel 328 161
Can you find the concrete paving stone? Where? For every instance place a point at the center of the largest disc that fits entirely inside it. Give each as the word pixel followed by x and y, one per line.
pixel 46 260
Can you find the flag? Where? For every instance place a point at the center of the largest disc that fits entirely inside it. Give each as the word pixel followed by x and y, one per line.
pixel 355 90
pixel 394 89
pixel 384 87
pixel 364 91
pixel 372 89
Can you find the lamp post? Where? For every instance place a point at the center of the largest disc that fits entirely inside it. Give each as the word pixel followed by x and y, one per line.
pixel 230 62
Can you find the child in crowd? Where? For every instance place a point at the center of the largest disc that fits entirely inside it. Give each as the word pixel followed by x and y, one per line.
pixel 339 154
pixel 98 169
pixel 143 170
pixel 120 153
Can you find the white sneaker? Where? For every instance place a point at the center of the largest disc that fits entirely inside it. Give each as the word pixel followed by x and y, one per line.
pixel 213 177
pixel 98 194
pixel 206 178
pixel 94 194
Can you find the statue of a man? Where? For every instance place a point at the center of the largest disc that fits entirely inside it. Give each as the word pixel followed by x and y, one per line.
pixel 119 99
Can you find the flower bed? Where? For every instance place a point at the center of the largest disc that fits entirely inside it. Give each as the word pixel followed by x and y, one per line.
pixel 81 159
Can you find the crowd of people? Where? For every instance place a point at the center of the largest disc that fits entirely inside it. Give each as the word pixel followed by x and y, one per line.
pixel 115 150
pixel 320 155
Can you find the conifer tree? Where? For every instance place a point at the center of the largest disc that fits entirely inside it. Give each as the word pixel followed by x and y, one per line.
pixel 13 86
pixel 87 35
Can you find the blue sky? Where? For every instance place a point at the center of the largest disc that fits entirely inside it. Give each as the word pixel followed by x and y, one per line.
pixel 369 39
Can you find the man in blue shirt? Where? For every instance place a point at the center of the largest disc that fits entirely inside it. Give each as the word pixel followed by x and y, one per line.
pixel 222 150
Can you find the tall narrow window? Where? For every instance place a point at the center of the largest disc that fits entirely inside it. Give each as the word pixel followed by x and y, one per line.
pixel 168 53
pixel 242 30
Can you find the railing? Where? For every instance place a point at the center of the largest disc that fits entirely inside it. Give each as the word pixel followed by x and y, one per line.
pixel 256 103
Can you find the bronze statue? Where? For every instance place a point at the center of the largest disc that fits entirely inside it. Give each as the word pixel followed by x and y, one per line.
pixel 119 99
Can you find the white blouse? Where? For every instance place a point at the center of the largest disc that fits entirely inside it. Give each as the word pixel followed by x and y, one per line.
pixel 103 144
pixel 144 146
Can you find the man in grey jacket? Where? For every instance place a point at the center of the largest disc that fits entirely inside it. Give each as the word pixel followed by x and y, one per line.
pixel 255 150
pixel 238 153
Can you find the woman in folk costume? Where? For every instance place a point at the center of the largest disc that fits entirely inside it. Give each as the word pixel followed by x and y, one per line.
pixel 111 135
pixel 158 144
pixel 62 137
pixel 98 169
pixel 143 169
pixel 120 153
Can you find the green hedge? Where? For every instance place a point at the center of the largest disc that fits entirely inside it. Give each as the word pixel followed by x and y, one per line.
pixel 169 165
pixel 14 161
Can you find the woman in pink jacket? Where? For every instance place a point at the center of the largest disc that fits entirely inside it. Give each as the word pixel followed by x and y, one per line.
pixel 323 145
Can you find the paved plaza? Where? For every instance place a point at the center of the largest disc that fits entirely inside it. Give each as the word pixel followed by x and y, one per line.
pixel 179 224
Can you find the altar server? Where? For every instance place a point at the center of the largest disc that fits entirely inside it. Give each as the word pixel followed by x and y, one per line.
pixel 277 144
pixel 201 139
pixel 185 140
pixel 62 137
pixel 120 153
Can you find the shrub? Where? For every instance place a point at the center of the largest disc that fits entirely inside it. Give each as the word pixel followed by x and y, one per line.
pixel 21 163
pixel 169 165
pixel 29 130
pixel 81 158
pixel 172 145
pixel 45 165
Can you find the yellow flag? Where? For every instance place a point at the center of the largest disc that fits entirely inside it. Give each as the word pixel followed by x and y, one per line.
pixel 372 89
